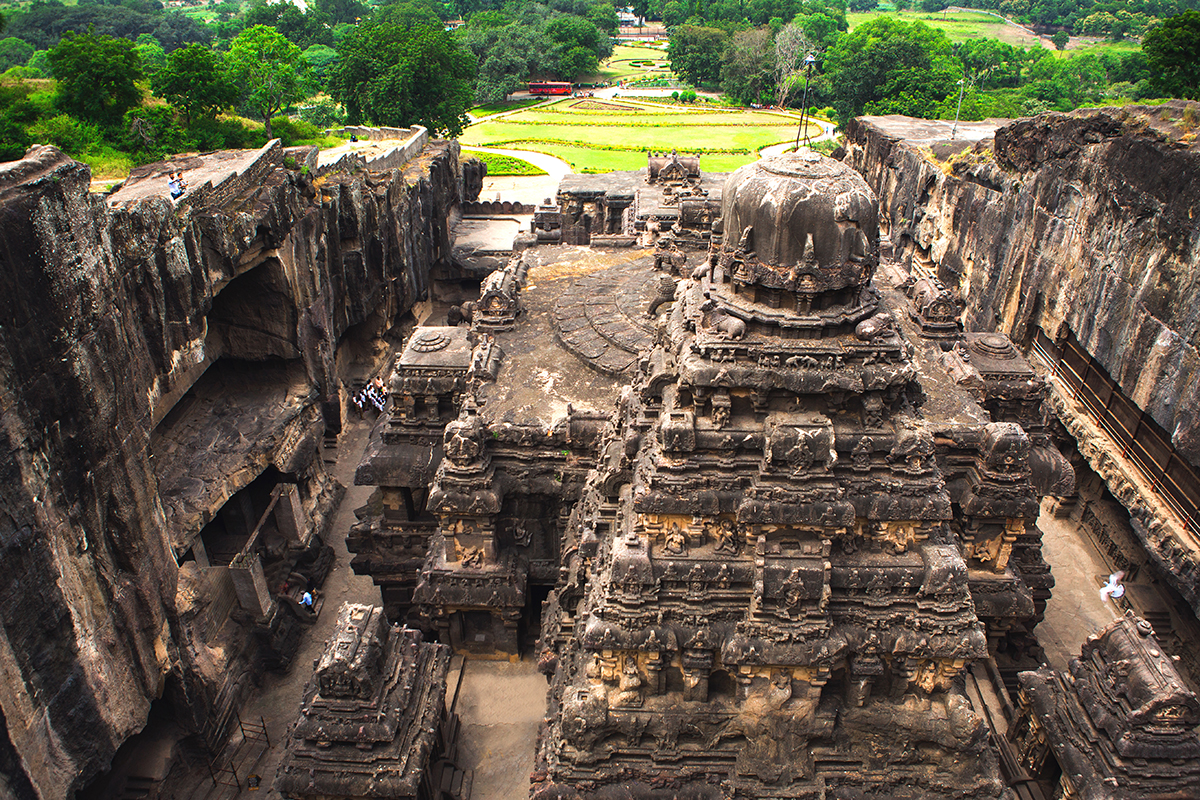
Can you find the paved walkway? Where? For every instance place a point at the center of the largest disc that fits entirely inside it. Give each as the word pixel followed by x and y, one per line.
pixel 828 129
pixel 277 701
pixel 501 706
pixel 1075 610
pixel 524 188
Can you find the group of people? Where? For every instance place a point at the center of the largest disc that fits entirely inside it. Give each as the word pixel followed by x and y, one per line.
pixel 176 184
pixel 374 393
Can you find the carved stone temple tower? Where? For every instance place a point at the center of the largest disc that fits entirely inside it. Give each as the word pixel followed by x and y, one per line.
pixel 768 586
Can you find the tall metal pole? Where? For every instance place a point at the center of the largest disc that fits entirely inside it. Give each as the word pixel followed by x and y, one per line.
pixel 962 84
pixel 809 60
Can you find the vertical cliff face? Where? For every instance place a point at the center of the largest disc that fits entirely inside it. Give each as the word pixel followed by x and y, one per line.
pixel 107 316
pixel 1089 219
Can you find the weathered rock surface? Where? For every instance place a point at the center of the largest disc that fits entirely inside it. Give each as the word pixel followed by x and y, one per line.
pixel 1087 224
pixel 1088 219
pixel 108 315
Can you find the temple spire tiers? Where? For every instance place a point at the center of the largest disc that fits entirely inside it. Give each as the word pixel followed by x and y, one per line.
pixel 767 596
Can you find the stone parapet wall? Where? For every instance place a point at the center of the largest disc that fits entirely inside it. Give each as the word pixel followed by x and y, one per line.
pixel 416 138
pixel 380 133
pixel 269 158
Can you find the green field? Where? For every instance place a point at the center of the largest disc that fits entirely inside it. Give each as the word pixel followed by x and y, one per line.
pixel 620 67
pixel 600 136
pixel 504 105
pixel 958 25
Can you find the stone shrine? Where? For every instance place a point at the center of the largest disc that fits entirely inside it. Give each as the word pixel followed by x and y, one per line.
pixel 374 722
pixel 801 530
pixel 1120 724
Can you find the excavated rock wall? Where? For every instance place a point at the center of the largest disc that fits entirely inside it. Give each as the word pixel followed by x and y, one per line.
pixel 102 327
pixel 1090 218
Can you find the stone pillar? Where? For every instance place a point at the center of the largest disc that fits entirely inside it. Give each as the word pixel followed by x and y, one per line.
pixel 251 585
pixel 289 515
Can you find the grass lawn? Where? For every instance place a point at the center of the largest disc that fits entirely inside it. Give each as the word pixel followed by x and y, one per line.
pixel 504 105
pixel 586 159
pixel 1098 46
pixel 619 66
pixel 603 135
pixel 503 165
pixel 958 25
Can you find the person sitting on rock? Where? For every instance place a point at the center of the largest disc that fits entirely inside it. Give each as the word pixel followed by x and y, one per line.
pixel 306 600
pixel 174 186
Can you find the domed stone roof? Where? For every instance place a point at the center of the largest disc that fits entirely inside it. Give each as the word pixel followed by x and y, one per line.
pixel 802 213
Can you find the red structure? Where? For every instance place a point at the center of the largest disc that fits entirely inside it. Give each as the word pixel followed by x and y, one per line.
pixel 550 87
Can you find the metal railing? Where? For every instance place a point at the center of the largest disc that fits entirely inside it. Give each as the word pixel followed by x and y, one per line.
pixel 1139 439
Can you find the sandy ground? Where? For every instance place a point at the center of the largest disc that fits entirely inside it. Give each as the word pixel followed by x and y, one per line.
pixel 1075 610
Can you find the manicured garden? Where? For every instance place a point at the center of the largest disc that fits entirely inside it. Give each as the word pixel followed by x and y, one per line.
pixel 500 165
pixel 596 135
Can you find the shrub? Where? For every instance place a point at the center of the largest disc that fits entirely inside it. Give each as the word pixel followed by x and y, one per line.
pixel 150 134
pixel 293 131
pixel 20 74
pixel 14 140
pixel 225 134
pixel 688 96
pixel 66 133
pixel 1188 120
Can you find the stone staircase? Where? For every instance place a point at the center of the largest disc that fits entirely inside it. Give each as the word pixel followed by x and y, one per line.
pixel 602 318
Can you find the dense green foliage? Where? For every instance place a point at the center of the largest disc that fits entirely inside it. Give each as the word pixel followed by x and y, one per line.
pixel 394 63
pixel 269 70
pixel 1173 55
pixel 399 68
pixel 96 76
pixel 889 67
pixel 193 80
pixel 45 21
pixel 528 41
pixel 697 53
pixel 1114 18
pixel 300 28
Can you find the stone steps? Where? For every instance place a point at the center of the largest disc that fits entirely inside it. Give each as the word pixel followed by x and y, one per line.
pixel 602 318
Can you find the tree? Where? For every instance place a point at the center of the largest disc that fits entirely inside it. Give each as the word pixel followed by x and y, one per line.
pixel 902 5
pixel 577 62
pixel 696 53
pixel 604 17
pixel 269 69
pixel 748 73
pixel 320 60
pixel 194 81
pixel 301 29
pixel 96 76
pixel 571 32
pixel 890 67
pixel 674 13
pixel 1060 40
pixel 1173 52
pixel 392 74
pixel 153 57
pixel 339 11
pixel 791 47
pixel 863 5
pixel 14 52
